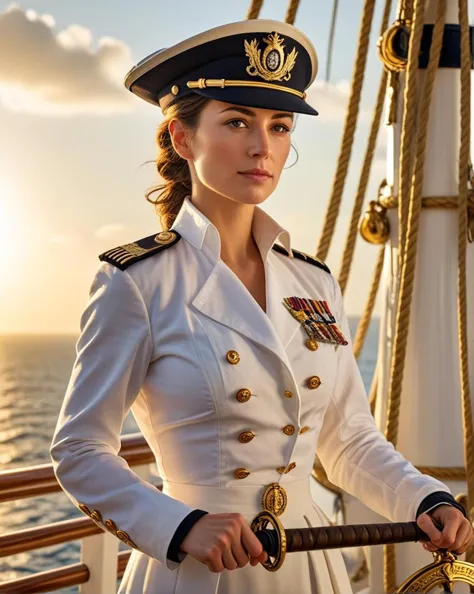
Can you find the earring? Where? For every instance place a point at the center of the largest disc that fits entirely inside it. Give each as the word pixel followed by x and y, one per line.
pixel 294 148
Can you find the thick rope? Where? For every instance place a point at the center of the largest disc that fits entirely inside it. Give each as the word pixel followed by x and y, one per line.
pixel 408 270
pixel 430 201
pixel 442 473
pixel 408 127
pixel 373 392
pixel 364 321
pixel 349 248
pixel 406 9
pixel 291 12
pixel 352 112
pixel 413 218
pixel 254 9
pixel 348 254
pixel 465 125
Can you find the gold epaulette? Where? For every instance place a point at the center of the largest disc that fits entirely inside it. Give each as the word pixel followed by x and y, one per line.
pixel 124 255
pixel 302 256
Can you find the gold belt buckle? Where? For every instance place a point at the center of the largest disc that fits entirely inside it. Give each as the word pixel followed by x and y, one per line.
pixel 274 499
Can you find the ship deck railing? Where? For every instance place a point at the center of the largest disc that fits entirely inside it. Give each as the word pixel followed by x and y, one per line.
pixel 102 564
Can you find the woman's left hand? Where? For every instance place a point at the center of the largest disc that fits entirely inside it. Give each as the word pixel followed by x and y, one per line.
pixel 457 535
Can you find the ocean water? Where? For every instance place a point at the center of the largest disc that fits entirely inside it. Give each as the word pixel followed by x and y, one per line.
pixel 34 372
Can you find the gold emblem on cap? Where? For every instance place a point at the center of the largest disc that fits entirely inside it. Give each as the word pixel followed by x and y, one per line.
pixel 165 237
pixel 175 89
pixel 272 65
pixel 274 499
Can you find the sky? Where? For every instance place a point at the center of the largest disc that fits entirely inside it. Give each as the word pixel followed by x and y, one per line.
pixel 74 143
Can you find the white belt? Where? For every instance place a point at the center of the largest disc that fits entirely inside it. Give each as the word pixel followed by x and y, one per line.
pixel 246 500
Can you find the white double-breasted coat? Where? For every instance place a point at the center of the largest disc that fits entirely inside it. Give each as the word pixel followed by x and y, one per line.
pixel 155 338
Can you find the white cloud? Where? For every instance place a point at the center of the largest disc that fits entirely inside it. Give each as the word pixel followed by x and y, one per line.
pixel 331 100
pixel 45 71
pixel 111 231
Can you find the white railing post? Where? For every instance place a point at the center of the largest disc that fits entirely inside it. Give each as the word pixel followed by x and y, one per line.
pixel 100 554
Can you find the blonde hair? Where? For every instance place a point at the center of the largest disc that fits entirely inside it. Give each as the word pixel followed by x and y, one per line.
pixel 172 168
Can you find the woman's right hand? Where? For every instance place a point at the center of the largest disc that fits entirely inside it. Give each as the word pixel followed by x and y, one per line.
pixel 218 541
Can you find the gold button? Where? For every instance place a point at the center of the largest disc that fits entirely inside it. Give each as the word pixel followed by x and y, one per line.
pixel 288 429
pixel 175 89
pixel 313 382
pixel 111 527
pixel 312 344
pixel 274 499
pixel 124 537
pixel 165 237
pixel 233 357
pixel 289 394
pixel 84 509
pixel 286 469
pixel 246 436
pixel 96 515
pixel 243 395
pixel 241 473
pixel 304 429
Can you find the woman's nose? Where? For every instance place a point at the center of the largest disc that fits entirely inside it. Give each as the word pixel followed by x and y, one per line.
pixel 260 146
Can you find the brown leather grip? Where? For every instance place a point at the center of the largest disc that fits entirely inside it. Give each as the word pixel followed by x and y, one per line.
pixel 335 537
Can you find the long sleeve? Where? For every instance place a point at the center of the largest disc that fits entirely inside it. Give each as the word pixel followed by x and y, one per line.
pixel 174 551
pixel 356 455
pixel 113 353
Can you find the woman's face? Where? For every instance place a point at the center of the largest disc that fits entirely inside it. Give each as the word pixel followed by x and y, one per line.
pixel 230 141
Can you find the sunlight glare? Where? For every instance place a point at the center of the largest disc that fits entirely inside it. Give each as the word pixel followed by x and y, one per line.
pixel 11 224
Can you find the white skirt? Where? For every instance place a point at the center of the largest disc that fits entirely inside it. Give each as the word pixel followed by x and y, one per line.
pixel 314 572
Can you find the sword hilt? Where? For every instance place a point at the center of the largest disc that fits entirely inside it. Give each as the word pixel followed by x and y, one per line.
pixel 278 542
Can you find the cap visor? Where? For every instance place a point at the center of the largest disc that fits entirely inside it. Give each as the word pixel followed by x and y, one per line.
pixel 258 97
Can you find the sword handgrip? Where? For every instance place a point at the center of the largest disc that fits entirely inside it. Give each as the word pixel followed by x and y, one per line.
pixel 278 541
pixel 335 537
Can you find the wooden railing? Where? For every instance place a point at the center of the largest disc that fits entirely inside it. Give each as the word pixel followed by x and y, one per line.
pixel 98 546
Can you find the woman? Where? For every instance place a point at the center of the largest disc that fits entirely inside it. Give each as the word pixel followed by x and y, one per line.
pixel 232 350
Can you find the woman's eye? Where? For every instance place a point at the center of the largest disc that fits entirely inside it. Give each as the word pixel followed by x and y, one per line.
pixel 284 129
pixel 281 129
pixel 236 122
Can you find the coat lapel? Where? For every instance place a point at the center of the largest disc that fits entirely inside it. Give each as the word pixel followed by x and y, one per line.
pixel 226 300
pixel 278 287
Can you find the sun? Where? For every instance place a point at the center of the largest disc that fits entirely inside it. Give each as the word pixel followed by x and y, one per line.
pixel 8 220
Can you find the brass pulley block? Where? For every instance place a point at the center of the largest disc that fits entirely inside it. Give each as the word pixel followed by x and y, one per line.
pixel 375 226
pixel 392 46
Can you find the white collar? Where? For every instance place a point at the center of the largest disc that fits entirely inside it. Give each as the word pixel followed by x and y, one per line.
pixel 198 230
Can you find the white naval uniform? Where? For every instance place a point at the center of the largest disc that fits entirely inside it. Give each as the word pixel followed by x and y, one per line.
pixel 155 338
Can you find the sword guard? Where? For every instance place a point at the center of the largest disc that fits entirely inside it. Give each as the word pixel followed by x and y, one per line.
pixel 273 541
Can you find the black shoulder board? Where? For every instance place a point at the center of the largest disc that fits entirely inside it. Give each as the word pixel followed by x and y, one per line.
pixel 124 255
pixel 302 256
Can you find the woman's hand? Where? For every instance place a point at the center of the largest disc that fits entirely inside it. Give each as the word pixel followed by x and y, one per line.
pixel 218 541
pixel 457 535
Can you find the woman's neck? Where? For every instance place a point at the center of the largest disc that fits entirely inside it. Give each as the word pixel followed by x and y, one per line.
pixel 233 221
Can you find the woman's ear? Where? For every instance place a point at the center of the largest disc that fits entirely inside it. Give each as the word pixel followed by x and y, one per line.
pixel 180 138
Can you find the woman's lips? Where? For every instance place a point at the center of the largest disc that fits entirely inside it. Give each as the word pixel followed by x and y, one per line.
pixel 256 177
